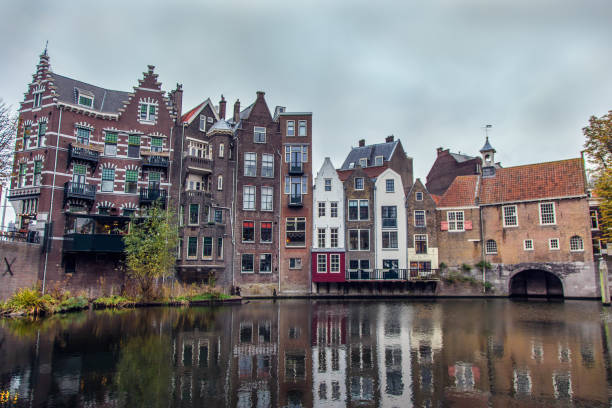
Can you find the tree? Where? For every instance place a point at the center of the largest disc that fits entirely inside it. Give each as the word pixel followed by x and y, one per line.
pixel 598 148
pixel 8 129
pixel 150 248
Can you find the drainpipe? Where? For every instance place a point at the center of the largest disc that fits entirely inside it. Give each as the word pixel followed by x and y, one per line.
pixel 280 207
pixel 234 205
pixel 59 131
pixel 482 249
pixel 374 211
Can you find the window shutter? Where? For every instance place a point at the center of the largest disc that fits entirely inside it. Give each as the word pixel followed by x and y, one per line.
pixel 468 225
pixel 443 225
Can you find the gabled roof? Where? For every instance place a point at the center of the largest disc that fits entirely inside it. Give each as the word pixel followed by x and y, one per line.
pixel 370 152
pixel 246 112
pixel 371 172
pixel 461 193
pixel 564 178
pixel 460 158
pixel 105 100
pixel 193 113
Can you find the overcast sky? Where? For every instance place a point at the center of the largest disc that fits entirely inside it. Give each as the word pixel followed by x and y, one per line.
pixel 431 72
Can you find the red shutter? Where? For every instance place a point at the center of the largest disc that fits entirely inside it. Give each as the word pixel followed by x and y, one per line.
pixel 443 225
pixel 468 225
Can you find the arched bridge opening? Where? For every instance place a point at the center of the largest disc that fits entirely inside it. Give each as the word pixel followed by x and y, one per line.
pixel 536 283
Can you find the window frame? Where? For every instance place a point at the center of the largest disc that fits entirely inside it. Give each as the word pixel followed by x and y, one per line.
pixel 333 262
pixel 261 235
pixel 205 245
pixel 257 131
pixel 554 213
pixel 359 245
pixel 290 125
pixel 363 162
pixel 245 228
pixel 189 220
pixel 390 186
pixel 322 237
pixel 219 248
pixel 530 247
pixel 149 117
pixel 426 240
pixel 270 196
pixel 416 225
pixel 552 247
pixel 246 188
pixel 580 241
pixel 333 209
pixel 388 209
pixel 489 250
pixel 506 217
pixel 321 206
pixel 324 263
pixel 594 215
pixel 267 166
pixel 302 125
pixel 250 157
pixel 392 238
pixel 202 120
pixel 265 254
pixel 418 196
pixel 327 184
pixel 334 237
pixel 189 240
pixel 455 221
pixel 295 262
pixel 242 259
pixel 220 182
pixel 296 221
pixel 105 172
pixel 361 179
pixel 379 160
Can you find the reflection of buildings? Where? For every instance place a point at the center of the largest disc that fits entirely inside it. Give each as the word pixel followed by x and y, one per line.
pixel 362 374
pixel 328 338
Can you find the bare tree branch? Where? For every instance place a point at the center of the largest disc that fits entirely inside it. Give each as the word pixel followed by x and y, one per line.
pixel 8 130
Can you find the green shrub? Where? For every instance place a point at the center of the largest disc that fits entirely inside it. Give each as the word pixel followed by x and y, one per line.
pixel 442 266
pixel 466 268
pixel 73 303
pixel 483 264
pixel 30 301
pixel 113 301
pixel 488 287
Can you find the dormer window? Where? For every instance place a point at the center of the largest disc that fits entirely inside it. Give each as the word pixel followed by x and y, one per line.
pixel 378 161
pixel 202 123
pixel 85 98
pixel 363 162
pixel 351 165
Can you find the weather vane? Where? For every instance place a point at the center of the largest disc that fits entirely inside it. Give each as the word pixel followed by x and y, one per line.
pixel 486 129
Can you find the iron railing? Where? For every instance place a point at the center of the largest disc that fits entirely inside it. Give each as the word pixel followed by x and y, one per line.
pixel 392 274
pixel 79 190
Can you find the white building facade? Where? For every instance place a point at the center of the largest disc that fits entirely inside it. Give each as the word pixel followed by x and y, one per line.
pixel 390 221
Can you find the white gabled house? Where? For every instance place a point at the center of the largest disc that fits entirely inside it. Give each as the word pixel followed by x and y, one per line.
pixel 390 221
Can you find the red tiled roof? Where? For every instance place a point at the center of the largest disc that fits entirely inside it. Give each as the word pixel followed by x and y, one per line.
pixel 436 198
pixel 534 181
pixel 461 193
pixel 371 172
pixel 189 115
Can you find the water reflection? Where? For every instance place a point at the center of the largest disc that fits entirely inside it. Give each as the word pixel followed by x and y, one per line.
pixel 313 353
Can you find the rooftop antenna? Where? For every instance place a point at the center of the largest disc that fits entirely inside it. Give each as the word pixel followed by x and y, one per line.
pixel 486 129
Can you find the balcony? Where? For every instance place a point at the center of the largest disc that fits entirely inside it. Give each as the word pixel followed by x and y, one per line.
pixel 296 200
pixel 150 195
pixel 296 168
pixel 198 165
pixel 408 275
pixel 80 191
pixel 84 153
pixel 154 161
pixel 100 243
pixel 23 193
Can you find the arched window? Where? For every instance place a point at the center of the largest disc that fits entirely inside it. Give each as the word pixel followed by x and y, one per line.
pixel 576 243
pixel 491 247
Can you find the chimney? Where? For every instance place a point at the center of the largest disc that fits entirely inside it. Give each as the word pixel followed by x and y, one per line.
pixel 222 104
pixel 389 139
pixel 439 150
pixel 178 101
pixel 260 94
pixel 237 110
pixel 361 142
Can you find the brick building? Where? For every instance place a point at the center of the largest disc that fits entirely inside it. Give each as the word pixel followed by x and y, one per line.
pixel 86 159
pixel 447 166
pixel 422 229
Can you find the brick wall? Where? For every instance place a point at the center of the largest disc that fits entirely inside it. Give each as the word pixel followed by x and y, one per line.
pixel 25 261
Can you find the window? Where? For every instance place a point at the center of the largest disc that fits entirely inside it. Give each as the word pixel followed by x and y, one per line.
pixel 79 174
pixel 134 146
pixel 218 216
pixel 295 263
pixel 547 214
pixel 295 155
pixel 248 197
pixel 322 263
pixel 359 240
pixel 333 209
pixel 37 99
pixel 296 186
pixel 219 182
pixel 22 174
pixel 510 219
pixel 455 220
pixel 181 215
pixel 265 263
pixel 110 144
pixel 267 165
pixel 553 244
pixel 250 164
pixel 528 245
pixel 302 128
pixel 389 239
pixel 290 128
pixel 321 208
pixel 420 243
pixel 418 196
pixel 192 247
pixel 42 130
pixel 389 216
pixel 154 180
pixel 265 232
pixel 219 248
pixel 364 210
pixel 363 162
pixel 207 249
pixel 353 210
pixel 147 112
pixel 358 183
pixel 390 263
pixel 296 232
pixel 202 123
pixel 108 180
pixel 334 263
pixel 378 161
pixel 491 247
pixel 328 184
pixel 85 100
pixel 131 181
pixel 321 237
pixel 266 198
pixel 333 237
pixel 390 185
pixel 248 231
pixel 221 150
pixel 247 263
pixel 26 136
pixel 83 136
pixel 157 144
pixel 194 214
pixel 259 134
pixel 576 244
pixel 594 219
pixel 419 218
pixel 37 172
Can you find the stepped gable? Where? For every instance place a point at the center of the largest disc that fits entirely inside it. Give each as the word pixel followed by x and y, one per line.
pixel 461 193
pixel 564 178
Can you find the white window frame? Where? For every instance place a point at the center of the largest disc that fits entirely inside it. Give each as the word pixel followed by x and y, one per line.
pixel 581 248
pixel 221 150
pixel 506 216
pixel 488 251
pixel 528 247
pixel 414 241
pixel 322 237
pixel 220 182
pixel 259 265
pixel 321 207
pixel 79 96
pixel 319 263
pixel 270 190
pixel 259 130
pixel 392 190
pixel 253 264
pixel 196 249
pixel 202 123
pixel 418 196
pixel 244 201
pixel 554 213
pixel 292 123
pixel 265 160
pixel 189 215
pixel 359 240
pixel 334 231
pixel 550 244
pixel 150 118
pixel 295 261
pixel 363 162
pixel 455 221
pixel 219 248
pixel 302 124
pixel 252 157
pixel 362 183
pixel 212 248
pixel 328 184
pixel 424 219
pixel 379 160
pixel 111 182
pixel 334 263
pixel 38 99
pixel 389 232
pixel 333 205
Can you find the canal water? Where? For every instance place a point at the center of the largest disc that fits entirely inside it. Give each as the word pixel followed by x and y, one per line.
pixel 292 353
